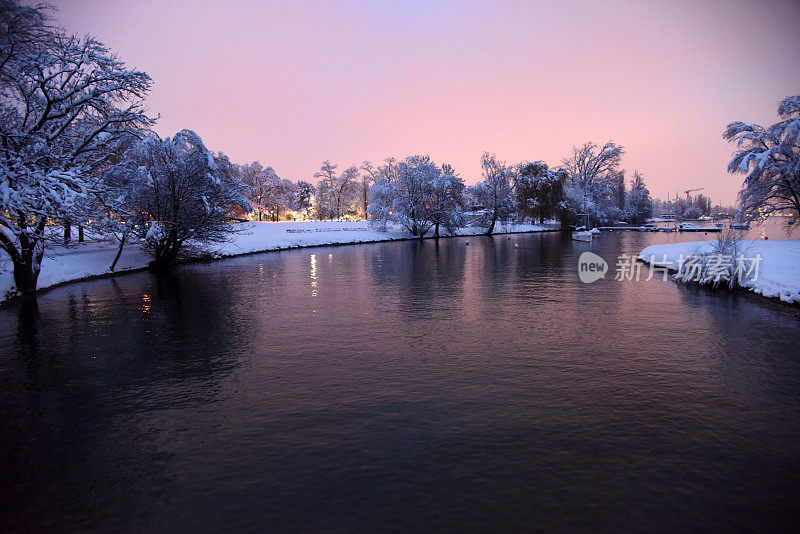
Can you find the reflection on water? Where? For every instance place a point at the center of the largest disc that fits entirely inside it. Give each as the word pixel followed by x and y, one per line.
pixel 399 386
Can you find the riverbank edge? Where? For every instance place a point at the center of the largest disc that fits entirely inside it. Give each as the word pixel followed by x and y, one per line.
pixel 209 257
pixel 738 290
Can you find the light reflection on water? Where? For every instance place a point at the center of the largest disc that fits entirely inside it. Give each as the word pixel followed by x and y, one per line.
pixel 400 386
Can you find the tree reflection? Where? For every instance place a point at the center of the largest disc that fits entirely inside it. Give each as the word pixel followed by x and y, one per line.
pixel 81 364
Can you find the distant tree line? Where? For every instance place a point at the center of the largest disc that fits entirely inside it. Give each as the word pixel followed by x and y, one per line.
pixel 78 150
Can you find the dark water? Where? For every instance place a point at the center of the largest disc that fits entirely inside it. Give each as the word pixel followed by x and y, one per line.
pixel 403 386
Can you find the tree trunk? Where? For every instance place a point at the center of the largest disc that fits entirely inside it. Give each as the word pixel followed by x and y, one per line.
pixel 491 226
pixel 165 260
pixel 80 234
pixel 25 277
pixel 167 254
pixel 119 253
pixel 67 231
pixel 436 232
pixel 27 265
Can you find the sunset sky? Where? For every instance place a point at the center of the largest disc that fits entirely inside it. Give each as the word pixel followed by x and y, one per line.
pixel 293 83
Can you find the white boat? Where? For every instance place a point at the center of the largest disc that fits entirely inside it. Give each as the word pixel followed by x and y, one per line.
pixel 649 227
pixel 740 225
pixel 686 225
pixel 583 233
pixel 585 236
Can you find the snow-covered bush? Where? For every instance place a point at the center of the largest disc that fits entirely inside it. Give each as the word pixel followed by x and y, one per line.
pixel 725 265
pixel 180 193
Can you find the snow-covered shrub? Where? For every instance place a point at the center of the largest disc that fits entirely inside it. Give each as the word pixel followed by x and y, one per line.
pixel 180 194
pixel 725 265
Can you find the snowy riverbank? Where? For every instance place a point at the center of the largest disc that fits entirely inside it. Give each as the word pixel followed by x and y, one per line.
pixel 778 270
pixel 92 259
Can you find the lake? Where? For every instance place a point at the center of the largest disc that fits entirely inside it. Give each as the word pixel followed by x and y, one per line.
pixel 400 386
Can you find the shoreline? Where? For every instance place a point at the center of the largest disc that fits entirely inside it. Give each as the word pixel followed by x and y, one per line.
pixel 738 290
pixel 211 256
pixel 776 283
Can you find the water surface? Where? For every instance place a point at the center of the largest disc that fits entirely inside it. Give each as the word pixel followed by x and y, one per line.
pixel 400 386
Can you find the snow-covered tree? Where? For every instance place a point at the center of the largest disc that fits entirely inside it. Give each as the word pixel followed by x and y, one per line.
pixel 770 160
pixel 540 191
pixel 495 193
pixel 446 202
pixel 326 190
pixel 638 204
pixel 593 181
pixel 252 175
pixel 702 202
pixel 617 185
pixel 24 30
pixel 65 101
pixel 381 191
pixel 588 165
pixel 381 203
pixel 348 199
pixel 114 212
pixel 336 195
pixel 692 212
pixel 269 194
pixel 182 192
pixel 418 195
pixel 304 197
pixel 369 176
pixel 277 194
pixel 411 192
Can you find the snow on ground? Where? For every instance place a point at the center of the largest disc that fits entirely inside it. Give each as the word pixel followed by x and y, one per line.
pixel 778 272
pixel 83 260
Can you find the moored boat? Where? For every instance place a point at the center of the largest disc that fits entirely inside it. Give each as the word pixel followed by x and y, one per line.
pixel 583 235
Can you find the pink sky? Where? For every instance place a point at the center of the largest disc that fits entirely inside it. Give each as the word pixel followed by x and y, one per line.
pixel 293 83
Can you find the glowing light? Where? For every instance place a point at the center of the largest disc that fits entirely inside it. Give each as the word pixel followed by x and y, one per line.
pixel 145 307
pixel 313 275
